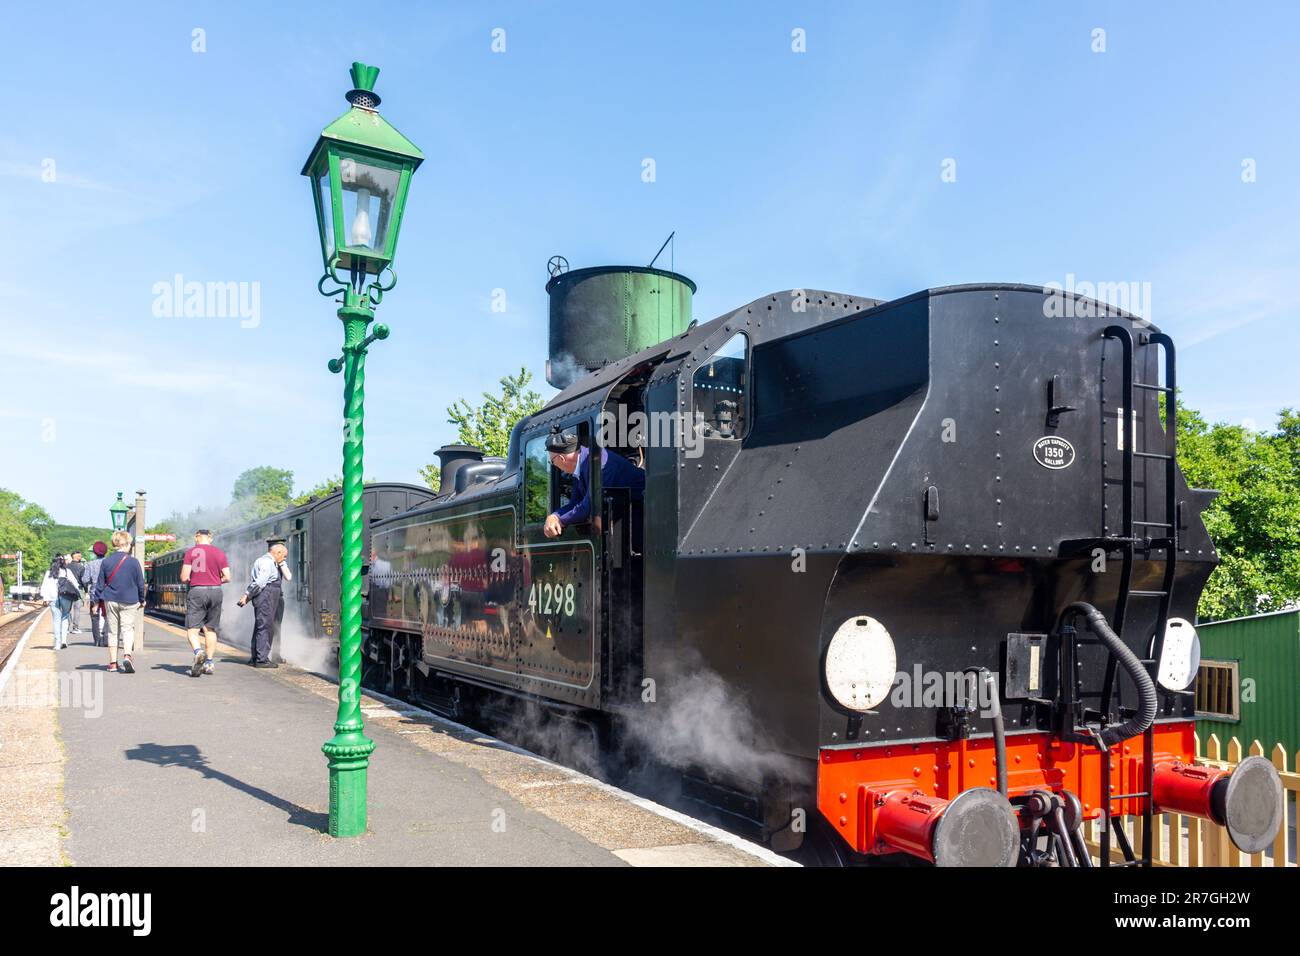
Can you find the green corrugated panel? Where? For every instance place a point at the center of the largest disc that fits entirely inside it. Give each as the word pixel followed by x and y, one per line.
pixel 1267 648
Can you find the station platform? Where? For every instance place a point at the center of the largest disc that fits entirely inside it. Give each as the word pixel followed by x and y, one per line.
pixel 157 768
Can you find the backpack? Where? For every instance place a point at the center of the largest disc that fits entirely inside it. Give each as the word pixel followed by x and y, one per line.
pixel 68 590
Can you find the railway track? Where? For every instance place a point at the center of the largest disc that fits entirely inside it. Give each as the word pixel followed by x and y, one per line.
pixel 12 627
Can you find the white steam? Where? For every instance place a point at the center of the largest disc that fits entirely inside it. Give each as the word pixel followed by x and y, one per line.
pixel 698 722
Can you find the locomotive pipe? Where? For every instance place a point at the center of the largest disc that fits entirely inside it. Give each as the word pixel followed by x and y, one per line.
pixel 999 726
pixel 1146 688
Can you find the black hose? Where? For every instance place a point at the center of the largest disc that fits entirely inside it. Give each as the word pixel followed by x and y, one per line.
pixel 1140 722
pixel 999 727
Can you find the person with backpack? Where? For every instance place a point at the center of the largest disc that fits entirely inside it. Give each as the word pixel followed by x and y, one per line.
pixel 98 621
pixel 120 585
pixel 59 589
pixel 77 567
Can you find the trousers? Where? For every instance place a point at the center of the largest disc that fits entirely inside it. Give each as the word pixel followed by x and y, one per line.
pixel 267 607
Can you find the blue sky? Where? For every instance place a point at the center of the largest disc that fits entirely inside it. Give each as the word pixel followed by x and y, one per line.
pixel 777 169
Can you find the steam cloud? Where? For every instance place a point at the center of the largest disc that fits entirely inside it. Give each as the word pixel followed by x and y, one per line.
pixel 699 722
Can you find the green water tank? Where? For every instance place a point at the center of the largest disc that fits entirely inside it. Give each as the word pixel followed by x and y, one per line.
pixel 604 313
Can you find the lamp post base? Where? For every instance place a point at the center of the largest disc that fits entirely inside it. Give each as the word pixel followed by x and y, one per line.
pixel 349 761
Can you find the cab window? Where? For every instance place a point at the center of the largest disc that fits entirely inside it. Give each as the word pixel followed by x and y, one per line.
pixel 537 481
pixel 719 389
pixel 548 489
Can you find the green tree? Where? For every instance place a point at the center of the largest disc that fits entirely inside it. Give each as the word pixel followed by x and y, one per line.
pixel 487 426
pixel 66 538
pixel 24 526
pixel 1255 520
pixel 320 490
pixel 259 492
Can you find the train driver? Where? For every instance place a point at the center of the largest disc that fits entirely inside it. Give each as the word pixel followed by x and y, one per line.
pixel 615 472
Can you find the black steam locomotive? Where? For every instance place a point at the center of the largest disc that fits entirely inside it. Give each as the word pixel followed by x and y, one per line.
pixel 913 578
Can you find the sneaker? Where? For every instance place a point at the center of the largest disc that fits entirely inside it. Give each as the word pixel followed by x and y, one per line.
pixel 266 664
pixel 196 668
pixel 207 666
pixel 112 667
pixel 127 666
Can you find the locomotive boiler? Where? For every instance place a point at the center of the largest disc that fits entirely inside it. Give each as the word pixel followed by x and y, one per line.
pixel 909 579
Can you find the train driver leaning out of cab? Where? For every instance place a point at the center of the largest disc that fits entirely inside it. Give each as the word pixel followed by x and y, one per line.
pixel 615 472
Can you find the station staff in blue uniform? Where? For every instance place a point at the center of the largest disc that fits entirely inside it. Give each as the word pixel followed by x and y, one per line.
pixel 268 600
pixel 615 472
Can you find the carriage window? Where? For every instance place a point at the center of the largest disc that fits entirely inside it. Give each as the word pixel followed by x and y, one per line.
pixel 719 389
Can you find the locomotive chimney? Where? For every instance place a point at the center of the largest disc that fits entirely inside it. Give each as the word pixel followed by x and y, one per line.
pixel 602 314
pixel 451 458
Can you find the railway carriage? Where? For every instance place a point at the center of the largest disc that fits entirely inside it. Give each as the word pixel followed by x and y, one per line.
pixel 311 532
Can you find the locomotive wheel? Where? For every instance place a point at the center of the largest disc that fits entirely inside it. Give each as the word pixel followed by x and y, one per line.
pixel 823 847
pixel 400 679
pixel 374 662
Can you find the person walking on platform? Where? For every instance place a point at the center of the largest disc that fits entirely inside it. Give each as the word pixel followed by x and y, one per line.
pixel 205 570
pixel 268 601
pixel 77 566
pixel 98 623
pixel 59 590
pixel 120 585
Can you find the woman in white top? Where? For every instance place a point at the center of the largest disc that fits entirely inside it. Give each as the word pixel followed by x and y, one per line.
pixel 60 604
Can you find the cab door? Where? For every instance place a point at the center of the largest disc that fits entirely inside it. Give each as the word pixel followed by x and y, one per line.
pixel 560 600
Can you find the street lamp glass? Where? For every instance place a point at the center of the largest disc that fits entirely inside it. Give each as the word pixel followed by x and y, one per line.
pixel 324 213
pixel 117 512
pixel 369 190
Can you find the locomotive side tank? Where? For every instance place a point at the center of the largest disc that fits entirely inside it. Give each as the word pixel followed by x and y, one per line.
pixel 860 519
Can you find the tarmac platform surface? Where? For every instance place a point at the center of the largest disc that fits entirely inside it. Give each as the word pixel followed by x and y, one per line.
pixel 160 768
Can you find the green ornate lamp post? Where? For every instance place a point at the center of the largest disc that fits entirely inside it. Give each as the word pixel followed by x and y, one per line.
pixel 117 511
pixel 360 170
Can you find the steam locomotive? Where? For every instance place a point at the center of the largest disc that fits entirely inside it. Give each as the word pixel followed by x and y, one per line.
pixel 911 580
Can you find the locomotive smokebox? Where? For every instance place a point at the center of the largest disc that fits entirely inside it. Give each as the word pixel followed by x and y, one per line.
pixel 602 314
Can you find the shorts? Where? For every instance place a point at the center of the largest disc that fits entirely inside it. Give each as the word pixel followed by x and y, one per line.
pixel 203 608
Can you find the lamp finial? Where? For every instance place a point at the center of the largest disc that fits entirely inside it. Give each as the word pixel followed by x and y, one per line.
pixel 363 82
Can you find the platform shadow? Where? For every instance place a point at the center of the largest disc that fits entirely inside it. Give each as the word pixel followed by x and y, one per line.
pixel 172 668
pixel 191 758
